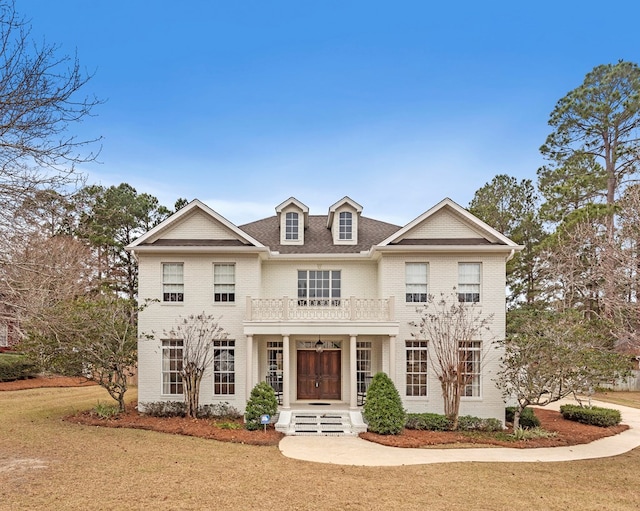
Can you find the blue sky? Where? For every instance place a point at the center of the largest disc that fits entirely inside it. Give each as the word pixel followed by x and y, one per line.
pixel 243 104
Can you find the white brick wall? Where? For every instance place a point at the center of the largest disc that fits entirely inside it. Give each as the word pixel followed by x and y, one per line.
pixel 362 278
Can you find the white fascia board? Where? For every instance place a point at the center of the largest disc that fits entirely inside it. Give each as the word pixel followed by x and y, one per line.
pixel 449 248
pixel 473 220
pixel 194 204
pixel 146 249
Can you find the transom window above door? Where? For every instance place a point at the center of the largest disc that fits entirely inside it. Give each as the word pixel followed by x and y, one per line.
pixel 319 287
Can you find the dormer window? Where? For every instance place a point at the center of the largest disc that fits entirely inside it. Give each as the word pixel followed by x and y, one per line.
pixel 342 221
pixel 293 219
pixel 346 225
pixel 291 226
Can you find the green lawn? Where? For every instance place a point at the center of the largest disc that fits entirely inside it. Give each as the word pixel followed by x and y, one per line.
pixel 46 463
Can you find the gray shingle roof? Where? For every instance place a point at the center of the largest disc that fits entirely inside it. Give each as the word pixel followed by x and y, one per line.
pixel 317 238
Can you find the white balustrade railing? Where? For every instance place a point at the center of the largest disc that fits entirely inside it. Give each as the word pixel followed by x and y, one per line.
pixel 342 309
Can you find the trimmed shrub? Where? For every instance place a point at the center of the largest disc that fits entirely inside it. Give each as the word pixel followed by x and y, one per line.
pixel 16 367
pixel 528 418
pixel 383 409
pixel 471 423
pixel 262 401
pixel 428 422
pixel 179 409
pixel 595 416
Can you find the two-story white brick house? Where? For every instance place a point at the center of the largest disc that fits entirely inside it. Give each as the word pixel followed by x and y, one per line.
pixel 317 304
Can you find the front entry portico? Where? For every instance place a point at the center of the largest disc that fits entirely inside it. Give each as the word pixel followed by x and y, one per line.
pixel 319 374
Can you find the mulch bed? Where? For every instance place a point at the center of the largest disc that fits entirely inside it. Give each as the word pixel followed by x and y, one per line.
pixel 46 381
pixel 568 432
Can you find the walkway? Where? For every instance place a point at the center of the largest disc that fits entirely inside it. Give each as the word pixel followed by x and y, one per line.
pixel 355 451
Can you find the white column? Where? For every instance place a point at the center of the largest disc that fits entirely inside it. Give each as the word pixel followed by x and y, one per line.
pixel 392 358
pixel 249 367
pixel 353 380
pixel 286 373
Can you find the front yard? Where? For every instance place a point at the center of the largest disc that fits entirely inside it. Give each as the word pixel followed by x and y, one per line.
pixel 47 463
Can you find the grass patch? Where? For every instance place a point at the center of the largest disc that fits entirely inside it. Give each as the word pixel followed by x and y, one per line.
pixel 631 399
pixel 47 464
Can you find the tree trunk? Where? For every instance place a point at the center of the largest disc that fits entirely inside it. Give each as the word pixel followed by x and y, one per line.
pixel 191 382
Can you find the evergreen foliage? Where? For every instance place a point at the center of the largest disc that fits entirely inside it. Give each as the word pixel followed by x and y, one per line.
pixel 383 409
pixel 262 401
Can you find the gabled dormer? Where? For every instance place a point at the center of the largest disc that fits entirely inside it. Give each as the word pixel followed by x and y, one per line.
pixel 293 217
pixel 343 221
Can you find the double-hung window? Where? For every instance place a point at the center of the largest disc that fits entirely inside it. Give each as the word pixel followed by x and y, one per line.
pixel 224 283
pixel 345 227
pixel 470 356
pixel 319 287
pixel 224 371
pixel 172 282
pixel 416 368
pixel 291 226
pixel 469 282
pixel 172 353
pixel 416 282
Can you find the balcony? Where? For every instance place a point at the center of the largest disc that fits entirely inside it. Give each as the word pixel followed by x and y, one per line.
pixel 343 309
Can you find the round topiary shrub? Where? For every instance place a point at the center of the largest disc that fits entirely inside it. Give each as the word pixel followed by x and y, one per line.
pixel 383 409
pixel 262 401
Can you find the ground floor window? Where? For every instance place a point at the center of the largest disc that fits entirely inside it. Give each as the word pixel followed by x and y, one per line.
pixel 171 366
pixel 224 375
pixel 470 356
pixel 275 365
pixel 416 368
pixel 363 365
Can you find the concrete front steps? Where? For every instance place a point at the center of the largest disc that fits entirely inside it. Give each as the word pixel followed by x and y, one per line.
pixel 320 422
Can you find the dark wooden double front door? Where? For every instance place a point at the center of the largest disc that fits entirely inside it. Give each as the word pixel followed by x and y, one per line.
pixel 319 374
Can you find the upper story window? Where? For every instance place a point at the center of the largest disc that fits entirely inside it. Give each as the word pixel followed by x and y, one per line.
pixel 172 282
pixel 291 226
pixel 319 287
pixel 224 282
pixel 346 225
pixel 469 282
pixel 416 282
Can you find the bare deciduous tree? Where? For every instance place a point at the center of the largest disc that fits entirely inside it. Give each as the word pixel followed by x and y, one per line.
pixel 448 325
pixel 40 100
pixel 92 335
pixel 197 333
pixel 38 272
pixel 552 356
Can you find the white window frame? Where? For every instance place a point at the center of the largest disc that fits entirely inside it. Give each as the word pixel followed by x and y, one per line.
pixel 417 368
pixel 364 364
pixel 172 357
pixel 469 282
pixel 291 226
pixel 224 282
pixel 416 282
pixel 173 282
pixel 345 226
pixel 470 353
pixel 224 371
pixel 314 295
